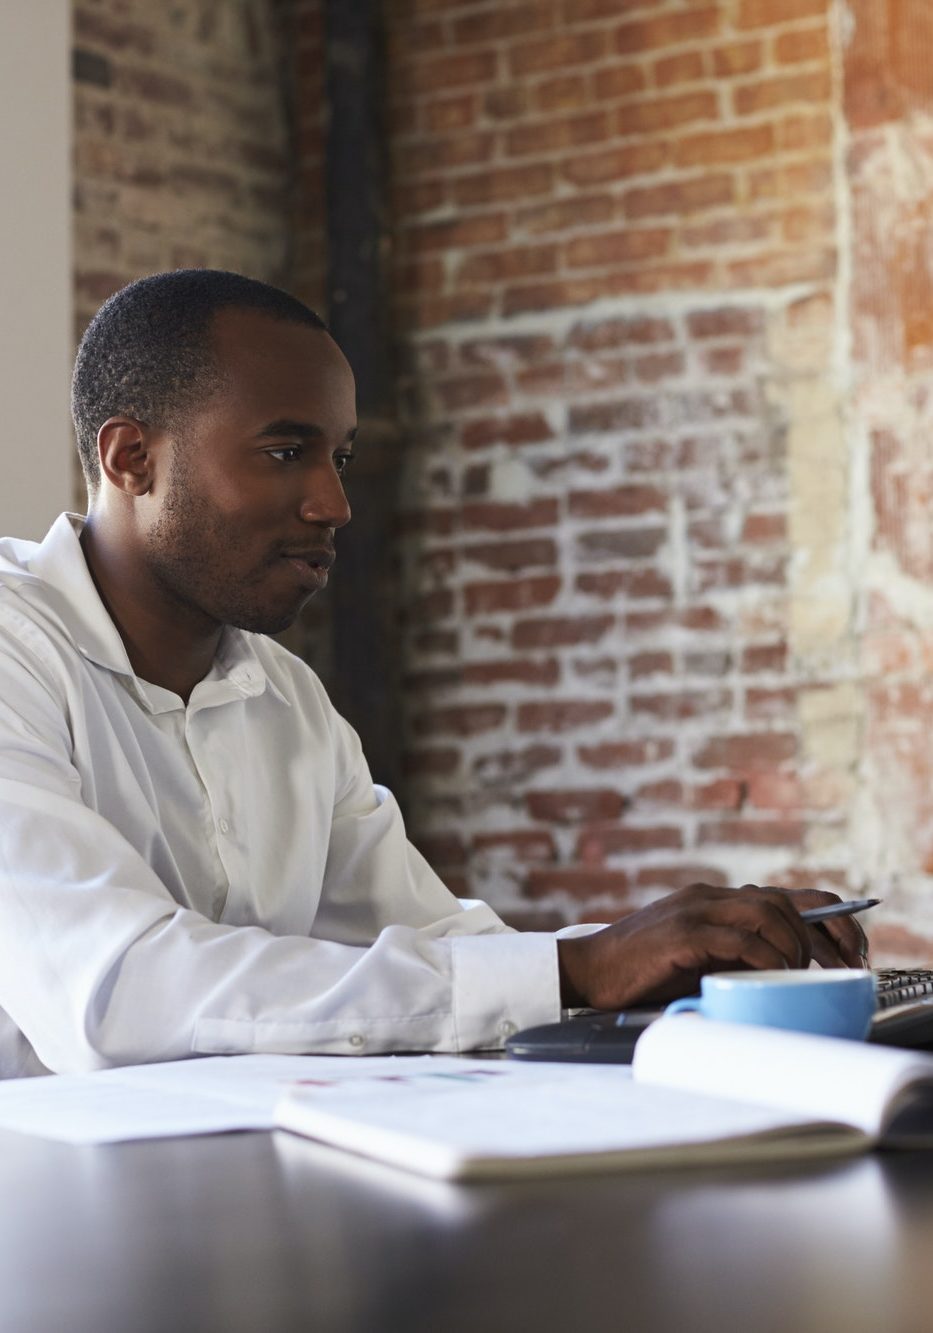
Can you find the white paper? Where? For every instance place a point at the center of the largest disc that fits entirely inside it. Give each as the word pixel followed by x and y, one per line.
pixel 199 1096
pixel 492 1107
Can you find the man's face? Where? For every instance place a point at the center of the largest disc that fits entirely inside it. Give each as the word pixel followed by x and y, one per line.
pixel 249 488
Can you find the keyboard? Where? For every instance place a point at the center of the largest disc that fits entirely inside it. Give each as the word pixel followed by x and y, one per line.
pixel 895 985
pixel 905 1007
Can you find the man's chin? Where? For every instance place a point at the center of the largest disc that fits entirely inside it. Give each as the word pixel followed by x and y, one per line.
pixel 266 621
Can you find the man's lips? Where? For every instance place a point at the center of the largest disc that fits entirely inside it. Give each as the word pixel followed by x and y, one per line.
pixel 318 557
pixel 311 567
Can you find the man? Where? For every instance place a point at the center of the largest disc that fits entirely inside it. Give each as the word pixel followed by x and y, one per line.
pixel 193 856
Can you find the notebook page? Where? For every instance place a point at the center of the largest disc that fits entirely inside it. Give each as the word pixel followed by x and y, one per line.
pixel 824 1077
pixel 449 1123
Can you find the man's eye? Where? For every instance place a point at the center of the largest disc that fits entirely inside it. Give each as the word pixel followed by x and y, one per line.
pixel 286 453
pixel 342 462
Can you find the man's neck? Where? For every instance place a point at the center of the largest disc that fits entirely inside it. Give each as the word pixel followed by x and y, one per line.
pixel 166 643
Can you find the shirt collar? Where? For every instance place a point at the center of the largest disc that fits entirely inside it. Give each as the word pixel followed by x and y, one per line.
pixel 58 563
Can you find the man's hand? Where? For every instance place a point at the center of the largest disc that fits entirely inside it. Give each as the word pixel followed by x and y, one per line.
pixel 662 951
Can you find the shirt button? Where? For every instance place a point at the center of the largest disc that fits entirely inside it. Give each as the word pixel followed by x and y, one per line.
pixel 507 1027
pixel 357 1040
pixel 223 826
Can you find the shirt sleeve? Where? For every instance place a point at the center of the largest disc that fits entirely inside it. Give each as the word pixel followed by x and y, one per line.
pixel 100 966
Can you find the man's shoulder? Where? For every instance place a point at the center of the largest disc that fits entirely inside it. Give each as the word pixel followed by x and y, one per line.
pixel 31 602
pixel 39 624
pixel 16 575
pixel 15 555
pixel 25 597
pixel 36 648
pixel 31 622
pixel 24 560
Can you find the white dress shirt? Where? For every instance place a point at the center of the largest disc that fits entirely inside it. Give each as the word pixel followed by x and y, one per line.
pixel 221 876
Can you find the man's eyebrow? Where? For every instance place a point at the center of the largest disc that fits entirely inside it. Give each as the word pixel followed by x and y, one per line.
pixel 304 429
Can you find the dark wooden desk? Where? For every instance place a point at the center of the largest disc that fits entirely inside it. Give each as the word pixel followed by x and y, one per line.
pixel 259 1233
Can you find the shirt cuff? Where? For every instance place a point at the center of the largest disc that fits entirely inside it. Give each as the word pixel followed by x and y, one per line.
pixel 501 984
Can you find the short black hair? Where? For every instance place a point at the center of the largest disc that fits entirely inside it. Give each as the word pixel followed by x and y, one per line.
pixel 147 352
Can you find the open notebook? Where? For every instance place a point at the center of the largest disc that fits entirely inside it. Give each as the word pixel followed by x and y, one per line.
pixel 698 1091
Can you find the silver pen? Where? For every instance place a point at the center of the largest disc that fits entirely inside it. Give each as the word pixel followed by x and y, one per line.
pixel 839 909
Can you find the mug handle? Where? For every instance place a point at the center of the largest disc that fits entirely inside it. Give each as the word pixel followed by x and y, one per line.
pixel 691 1005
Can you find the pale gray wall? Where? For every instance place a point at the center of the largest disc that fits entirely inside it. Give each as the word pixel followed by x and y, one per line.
pixel 36 474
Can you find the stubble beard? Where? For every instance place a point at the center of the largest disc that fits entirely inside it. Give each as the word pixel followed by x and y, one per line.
pixel 189 556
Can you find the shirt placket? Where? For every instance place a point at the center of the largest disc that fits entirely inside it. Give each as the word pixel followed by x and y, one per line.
pixel 216 769
pixel 210 894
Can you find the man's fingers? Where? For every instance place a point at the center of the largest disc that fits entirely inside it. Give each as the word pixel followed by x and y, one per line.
pixel 825 949
pixel 785 904
pixel 831 949
pixel 731 945
pixel 848 941
pixel 767 914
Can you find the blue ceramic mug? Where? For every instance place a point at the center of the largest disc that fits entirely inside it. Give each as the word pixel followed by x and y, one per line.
pixel 832 1002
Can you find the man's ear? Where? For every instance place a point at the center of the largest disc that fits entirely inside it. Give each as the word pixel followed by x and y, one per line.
pixel 124 447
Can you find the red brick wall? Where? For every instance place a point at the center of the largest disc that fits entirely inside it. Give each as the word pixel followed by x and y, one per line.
pixel 603 698
pixel 615 278
pixel 888 103
pixel 182 149
pixel 547 154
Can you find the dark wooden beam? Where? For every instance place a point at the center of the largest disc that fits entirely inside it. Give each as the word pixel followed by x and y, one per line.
pixel 365 648
pixel 355 176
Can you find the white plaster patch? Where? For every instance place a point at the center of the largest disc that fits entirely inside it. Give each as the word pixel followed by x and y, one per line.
pixel 912 601
pixel 510 478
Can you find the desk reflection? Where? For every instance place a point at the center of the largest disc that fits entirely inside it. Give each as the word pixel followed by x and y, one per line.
pixel 260 1233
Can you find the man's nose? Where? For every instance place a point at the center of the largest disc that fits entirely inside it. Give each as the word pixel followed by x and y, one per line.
pixel 325 501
